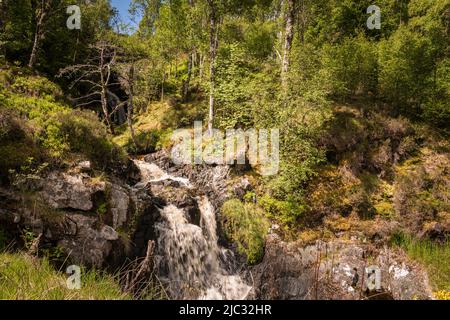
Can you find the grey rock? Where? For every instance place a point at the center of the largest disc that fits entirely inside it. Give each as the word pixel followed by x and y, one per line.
pixel 119 201
pixel 336 270
pixel 109 233
pixel 85 166
pixel 63 190
pixel 89 246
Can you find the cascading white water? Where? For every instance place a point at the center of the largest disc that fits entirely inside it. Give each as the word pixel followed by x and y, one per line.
pixel 151 173
pixel 192 254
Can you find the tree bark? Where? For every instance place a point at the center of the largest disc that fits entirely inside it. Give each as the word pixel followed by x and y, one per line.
pixel 201 65
pixel 288 38
pixel 40 30
pixel 213 44
pixel 131 106
pixel 104 85
pixel 188 79
pixel 162 86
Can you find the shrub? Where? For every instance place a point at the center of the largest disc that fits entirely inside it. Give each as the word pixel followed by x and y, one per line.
pixel 245 224
pixel 38 87
pixel 84 134
pixel 147 141
pixel 286 212
pixel 52 136
pixel 385 209
pixel 16 143
pixel 353 65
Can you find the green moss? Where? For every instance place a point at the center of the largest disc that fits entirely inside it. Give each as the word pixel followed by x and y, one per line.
pixel 385 209
pixel 245 224
pixel 84 134
pixel 147 141
pixel 285 212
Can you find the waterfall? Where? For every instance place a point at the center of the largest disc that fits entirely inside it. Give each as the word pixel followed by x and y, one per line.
pixel 191 253
pixel 151 173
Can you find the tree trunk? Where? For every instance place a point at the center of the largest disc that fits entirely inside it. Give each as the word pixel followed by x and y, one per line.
pixel 201 65
pixel 188 79
pixel 104 99
pixel 40 31
pixel 131 107
pixel 288 38
pixel 213 43
pixel 162 86
pixel 104 89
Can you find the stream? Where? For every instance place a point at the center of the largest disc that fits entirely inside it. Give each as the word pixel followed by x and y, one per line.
pixel 195 262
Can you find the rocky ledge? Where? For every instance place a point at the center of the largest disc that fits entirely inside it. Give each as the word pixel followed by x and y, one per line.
pixel 337 270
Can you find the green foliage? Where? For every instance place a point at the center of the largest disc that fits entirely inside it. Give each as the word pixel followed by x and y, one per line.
pixel 17 145
pixel 233 72
pixel 27 175
pixel 245 224
pixel 286 212
pixel 414 63
pixel 353 65
pixel 406 60
pixel 102 209
pixel 59 46
pixel 36 86
pixel 54 255
pixel 28 238
pixel 147 141
pixel 35 125
pixel 385 209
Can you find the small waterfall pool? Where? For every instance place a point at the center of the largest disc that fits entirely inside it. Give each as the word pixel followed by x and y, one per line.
pixel 191 253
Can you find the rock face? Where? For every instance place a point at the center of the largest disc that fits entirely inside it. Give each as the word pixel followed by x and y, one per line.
pixel 62 190
pixel 90 211
pixel 89 245
pixel 89 218
pixel 337 270
pixel 80 214
pixel 119 202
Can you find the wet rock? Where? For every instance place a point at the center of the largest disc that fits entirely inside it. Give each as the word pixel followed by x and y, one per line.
pixel 209 180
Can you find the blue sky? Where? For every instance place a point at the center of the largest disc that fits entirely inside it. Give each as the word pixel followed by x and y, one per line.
pixel 123 6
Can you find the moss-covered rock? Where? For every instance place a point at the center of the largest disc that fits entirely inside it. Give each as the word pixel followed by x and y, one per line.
pixel 246 225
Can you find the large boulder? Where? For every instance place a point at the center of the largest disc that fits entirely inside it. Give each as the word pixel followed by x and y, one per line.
pixel 79 213
pixel 63 190
pixel 90 244
pixel 337 270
